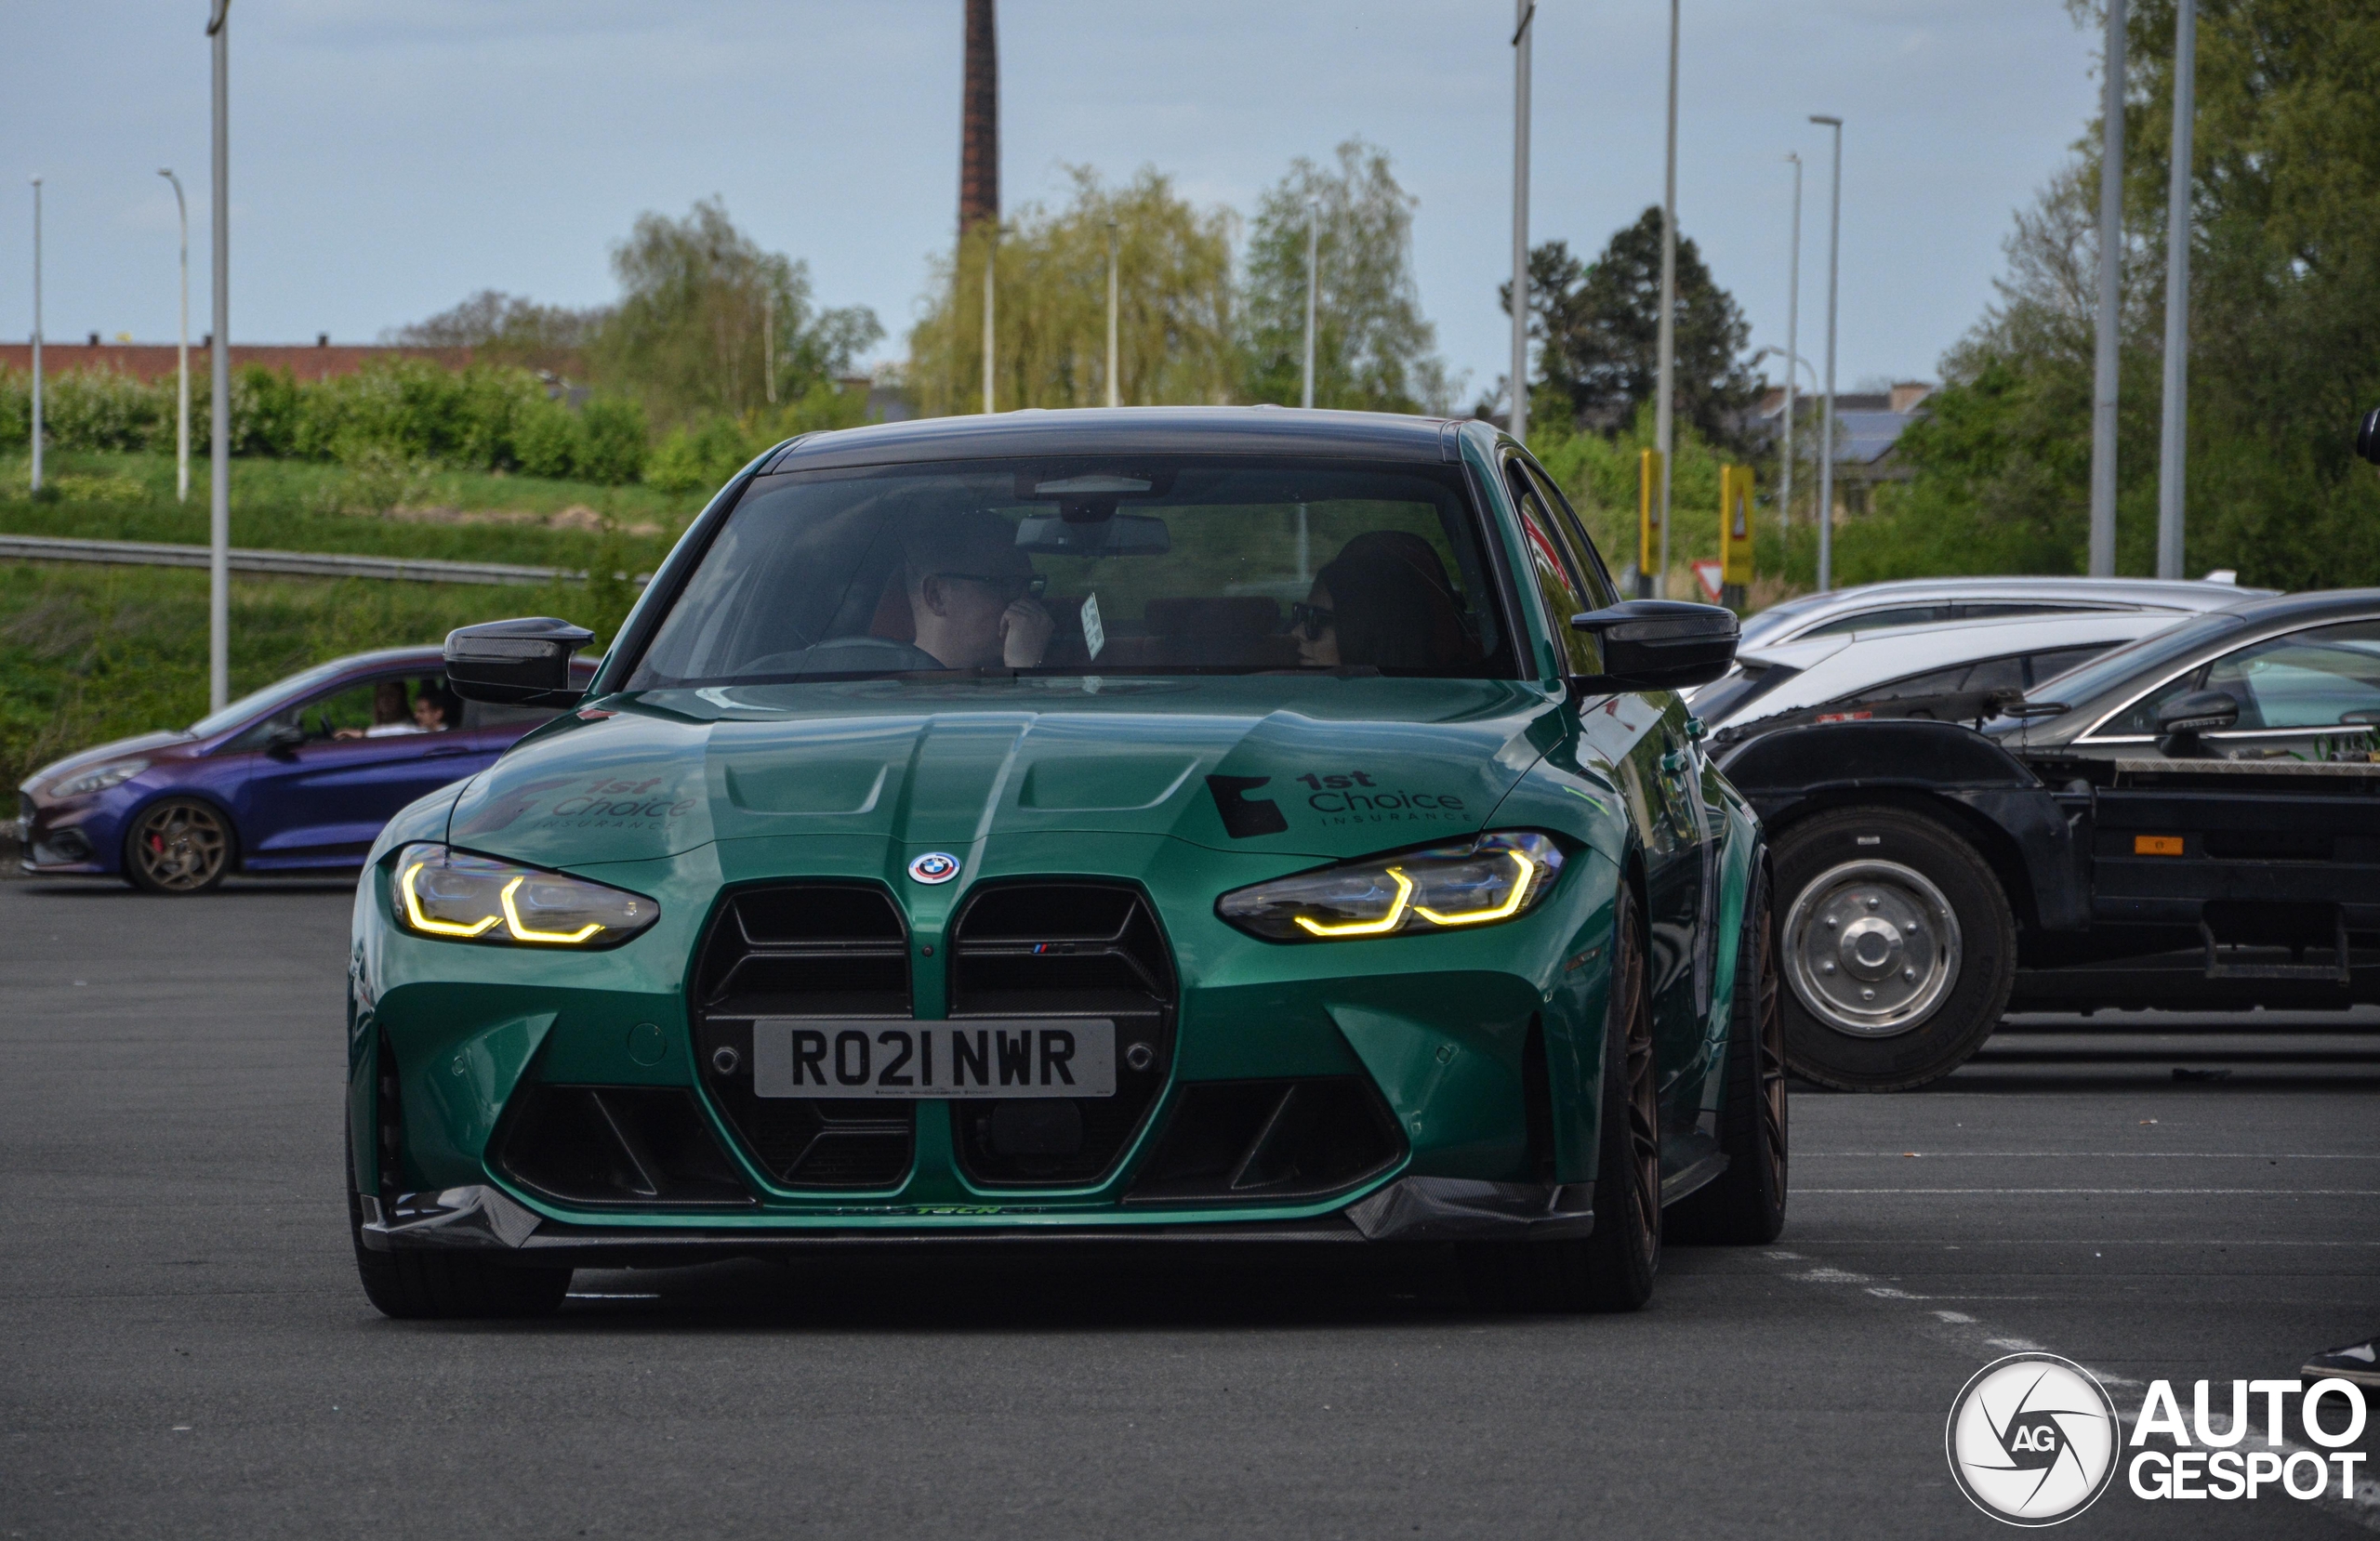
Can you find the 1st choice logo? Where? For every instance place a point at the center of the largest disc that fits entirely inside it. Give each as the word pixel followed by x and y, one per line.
pixel 2034 1440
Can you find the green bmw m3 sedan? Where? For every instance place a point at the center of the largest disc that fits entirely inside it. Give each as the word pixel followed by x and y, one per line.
pixel 1218 824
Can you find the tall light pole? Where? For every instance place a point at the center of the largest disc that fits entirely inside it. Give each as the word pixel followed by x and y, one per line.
pixel 1115 392
pixel 1524 12
pixel 1665 407
pixel 219 562
pixel 1826 419
pixel 37 334
pixel 769 344
pixel 1312 286
pixel 1793 345
pixel 2105 370
pixel 991 250
pixel 2173 448
pixel 181 376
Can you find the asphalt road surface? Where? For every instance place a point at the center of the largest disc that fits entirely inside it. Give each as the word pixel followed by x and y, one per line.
pixel 184 1351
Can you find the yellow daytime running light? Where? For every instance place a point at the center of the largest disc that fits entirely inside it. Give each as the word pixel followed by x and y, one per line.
pixel 421 922
pixel 1505 911
pixel 1370 928
pixel 523 933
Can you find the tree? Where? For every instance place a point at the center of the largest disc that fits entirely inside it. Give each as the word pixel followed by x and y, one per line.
pixel 1598 326
pixel 1373 349
pixel 1174 305
pixel 501 328
pixel 687 336
pixel 2284 327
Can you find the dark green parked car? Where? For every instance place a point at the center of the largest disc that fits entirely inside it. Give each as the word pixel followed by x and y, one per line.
pixel 1226 823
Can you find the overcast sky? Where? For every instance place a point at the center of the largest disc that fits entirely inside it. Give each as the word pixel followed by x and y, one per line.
pixel 388 159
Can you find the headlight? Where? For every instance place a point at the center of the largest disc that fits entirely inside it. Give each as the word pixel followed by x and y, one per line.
pixel 99 778
pixel 1447 889
pixel 464 898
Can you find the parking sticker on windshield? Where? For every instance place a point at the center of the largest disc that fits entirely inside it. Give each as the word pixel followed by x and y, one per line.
pixel 1095 636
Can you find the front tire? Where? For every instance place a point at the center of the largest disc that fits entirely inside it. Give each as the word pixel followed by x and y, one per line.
pixel 1897 948
pixel 446 1285
pixel 179 846
pixel 1745 1205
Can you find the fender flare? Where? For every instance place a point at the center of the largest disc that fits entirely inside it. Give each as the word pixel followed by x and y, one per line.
pixel 1951 771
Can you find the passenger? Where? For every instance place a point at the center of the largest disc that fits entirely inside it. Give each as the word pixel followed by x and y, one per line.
pixel 435 708
pixel 390 714
pixel 1384 601
pixel 973 594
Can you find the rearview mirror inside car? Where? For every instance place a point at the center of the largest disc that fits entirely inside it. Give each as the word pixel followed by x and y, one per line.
pixel 1117 536
pixel 1659 644
pixel 521 663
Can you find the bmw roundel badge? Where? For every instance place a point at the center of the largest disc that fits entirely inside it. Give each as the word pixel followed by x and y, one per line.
pixel 935 866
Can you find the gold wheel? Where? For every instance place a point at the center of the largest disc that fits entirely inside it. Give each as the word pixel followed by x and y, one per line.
pixel 181 846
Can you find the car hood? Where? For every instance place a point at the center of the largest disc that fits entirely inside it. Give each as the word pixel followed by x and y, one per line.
pixel 118 749
pixel 1325 766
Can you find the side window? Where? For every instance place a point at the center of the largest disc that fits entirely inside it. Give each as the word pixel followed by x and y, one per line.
pixel 1937 682
pixel 1552 568
pixel 1878 620
pixel 1589 560
pixel 2047 666
pixel 392 707
pixel 2325 677
pixel 1996 674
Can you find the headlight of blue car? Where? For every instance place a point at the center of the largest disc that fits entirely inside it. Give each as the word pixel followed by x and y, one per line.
pixel 1494 878
pixel 98 778
pixel 459 897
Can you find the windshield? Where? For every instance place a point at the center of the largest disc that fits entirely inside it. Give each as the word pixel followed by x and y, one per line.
pixel 271 695
pixel 2113 669
pixel 1169 565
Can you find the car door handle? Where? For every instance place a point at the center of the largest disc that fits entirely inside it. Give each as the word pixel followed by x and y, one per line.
pixel 450 749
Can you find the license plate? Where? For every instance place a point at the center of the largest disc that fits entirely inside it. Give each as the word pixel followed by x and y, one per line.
pixel 1002 1057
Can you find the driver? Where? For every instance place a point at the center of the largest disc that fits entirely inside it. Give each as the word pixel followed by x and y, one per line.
pixel 973 594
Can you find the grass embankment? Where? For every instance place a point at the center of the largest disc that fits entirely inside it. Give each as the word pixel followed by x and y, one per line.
pixel 89 653
pixel 93 654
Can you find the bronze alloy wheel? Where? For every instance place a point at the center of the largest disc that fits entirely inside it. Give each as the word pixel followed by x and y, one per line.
pixel 1644 1109
pixel 1768 1049
pixel 179 846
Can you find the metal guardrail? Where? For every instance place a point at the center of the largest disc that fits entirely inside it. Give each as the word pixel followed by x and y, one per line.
pixel 141 553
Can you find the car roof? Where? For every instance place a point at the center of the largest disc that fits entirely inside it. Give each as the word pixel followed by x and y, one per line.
pixel 1831 667
pixel 1124 430
pixel 2166 593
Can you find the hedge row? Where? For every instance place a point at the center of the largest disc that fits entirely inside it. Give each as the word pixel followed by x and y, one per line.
pixel 485 418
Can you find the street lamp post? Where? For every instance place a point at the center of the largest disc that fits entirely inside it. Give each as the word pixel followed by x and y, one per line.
pixel 2173 450
pixel 182 373
pixel 218 562
pixel 1665 407
pixel 2106 366
pixel 1312 275
pixel 1524 12
pixel 1115 392
pixel 1826 420
pixel 1792 347
pixel 991 251
pixel 37 334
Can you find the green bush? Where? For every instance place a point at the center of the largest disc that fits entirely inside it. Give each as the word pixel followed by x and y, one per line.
pixel 615 437
pixel 701 457
pixel 549 439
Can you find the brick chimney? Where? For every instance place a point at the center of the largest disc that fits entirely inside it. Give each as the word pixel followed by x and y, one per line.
pixel 979 144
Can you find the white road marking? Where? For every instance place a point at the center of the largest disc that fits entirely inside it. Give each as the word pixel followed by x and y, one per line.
pixel 1957 1329
pixel 2150 1193
pixel 2106 1155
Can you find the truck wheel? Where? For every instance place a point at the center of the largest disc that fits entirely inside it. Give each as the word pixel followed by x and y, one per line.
pixel 1897 948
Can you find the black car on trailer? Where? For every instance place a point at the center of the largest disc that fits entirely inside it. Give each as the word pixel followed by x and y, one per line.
pixel 2189 821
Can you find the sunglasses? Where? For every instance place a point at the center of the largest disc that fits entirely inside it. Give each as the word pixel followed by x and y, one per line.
pixel 1010 589
pixel 1312 621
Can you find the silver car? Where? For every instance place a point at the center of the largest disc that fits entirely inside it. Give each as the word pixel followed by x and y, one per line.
pixel 1930 601
pixel 1954 671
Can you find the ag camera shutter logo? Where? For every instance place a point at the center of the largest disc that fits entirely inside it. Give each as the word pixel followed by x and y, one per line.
pixel 2032 1439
